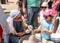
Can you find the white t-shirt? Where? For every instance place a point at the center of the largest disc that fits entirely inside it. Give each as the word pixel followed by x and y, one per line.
pixel 41 15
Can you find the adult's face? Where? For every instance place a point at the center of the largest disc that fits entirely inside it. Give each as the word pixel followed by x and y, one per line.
pixel 18 16
pixel 44 7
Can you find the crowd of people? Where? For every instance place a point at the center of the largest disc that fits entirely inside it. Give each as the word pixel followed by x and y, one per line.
pixel 42 15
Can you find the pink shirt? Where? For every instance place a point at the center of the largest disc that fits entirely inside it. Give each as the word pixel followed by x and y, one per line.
pixel 54 6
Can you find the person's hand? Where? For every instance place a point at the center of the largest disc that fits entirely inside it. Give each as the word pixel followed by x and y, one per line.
pixel 27 31
pixel 44 30
pixel 35 31
pixel 24 10
pixel 21 33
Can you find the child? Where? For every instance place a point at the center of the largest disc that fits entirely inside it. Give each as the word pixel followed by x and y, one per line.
pixel 46 27
pixel 43 9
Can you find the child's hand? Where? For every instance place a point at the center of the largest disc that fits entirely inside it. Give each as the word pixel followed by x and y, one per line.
pixel 27 31
pixel 44 30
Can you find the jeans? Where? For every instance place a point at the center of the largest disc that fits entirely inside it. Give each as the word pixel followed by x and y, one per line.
pixel 32 16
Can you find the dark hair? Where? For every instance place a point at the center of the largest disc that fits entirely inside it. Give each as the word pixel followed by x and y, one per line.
pixel 48 16
pixel 43 7
pixel 58 7
pixel 50 4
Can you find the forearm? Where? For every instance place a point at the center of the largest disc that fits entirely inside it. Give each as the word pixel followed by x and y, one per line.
pixel 55 26
pixel 24 24
pixel 20 33
pixel 23 4
pixel 49 31
pixel 38 20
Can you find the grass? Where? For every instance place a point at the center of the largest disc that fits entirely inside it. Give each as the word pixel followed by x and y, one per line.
pixel 7 12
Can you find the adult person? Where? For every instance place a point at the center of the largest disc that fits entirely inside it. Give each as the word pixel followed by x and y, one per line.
pixel 56 36
pixel 41 17
pixel 32 11
pixel 57 16
pixel 44 7
pixel 15 24
pixel 3 18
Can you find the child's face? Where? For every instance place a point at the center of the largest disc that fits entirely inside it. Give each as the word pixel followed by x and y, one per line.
pixel 49 18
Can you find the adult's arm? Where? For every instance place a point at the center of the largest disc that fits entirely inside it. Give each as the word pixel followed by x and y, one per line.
pixel 55 23
pixel 12 29
pixel 55 26
pixel 24 2
pixel 23 5
pixel 39 18
pixel 24 24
